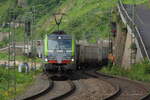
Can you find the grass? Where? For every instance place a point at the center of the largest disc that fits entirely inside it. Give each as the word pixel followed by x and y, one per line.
pixel 4 6
pixel 4 56
pixel 84 19
pixel 139 71
pixel 23 80
pixel 3 43
pixel 135 1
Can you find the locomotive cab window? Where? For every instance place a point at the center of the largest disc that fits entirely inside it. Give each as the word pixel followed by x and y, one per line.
pixel 53 44
pixel 59 44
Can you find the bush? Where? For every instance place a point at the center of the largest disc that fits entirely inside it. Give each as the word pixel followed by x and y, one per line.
pixel 22 81
pixel 139 71
pixel 4 42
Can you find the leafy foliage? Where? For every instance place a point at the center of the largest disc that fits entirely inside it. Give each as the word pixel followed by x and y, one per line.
pixel 134 1
pixel 139 71
pixel 86 19
pixel 22 81
pixel 4 42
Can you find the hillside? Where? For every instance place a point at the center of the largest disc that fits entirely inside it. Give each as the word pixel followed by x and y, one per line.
pixel 85 19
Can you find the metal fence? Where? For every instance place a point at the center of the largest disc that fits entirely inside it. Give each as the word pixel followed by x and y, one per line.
pixel 123 10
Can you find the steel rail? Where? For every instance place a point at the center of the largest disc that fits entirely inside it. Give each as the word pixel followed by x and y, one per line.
pixel 117 88
pixel 145 97
pixel 69 93
pixel 43 92
pixel 47 90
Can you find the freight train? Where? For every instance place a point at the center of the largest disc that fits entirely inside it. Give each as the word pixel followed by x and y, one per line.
pixel 63 53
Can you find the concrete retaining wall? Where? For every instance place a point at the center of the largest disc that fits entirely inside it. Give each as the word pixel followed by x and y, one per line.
pixel 126 58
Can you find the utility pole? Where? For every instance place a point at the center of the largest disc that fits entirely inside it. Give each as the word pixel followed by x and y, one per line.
pixel 32 34
pixel 12 53
pixel 27 36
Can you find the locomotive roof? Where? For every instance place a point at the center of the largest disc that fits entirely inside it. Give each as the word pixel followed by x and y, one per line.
pixel 58 32
pixel 56 36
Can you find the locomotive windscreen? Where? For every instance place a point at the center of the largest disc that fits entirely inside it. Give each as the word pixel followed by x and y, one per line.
pixel 56 44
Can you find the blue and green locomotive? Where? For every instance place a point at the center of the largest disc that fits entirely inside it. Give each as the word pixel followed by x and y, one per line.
pixel 59 52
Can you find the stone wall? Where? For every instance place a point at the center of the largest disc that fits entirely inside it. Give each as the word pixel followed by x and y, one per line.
pixel 119 43
pixel 126 59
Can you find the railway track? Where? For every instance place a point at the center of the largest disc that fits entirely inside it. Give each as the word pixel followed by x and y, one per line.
pixel 127 89
pixel 56 91
pixel 42 93
pixel 68 93
pixel 116 87
pixel 90 88
pixel 80 88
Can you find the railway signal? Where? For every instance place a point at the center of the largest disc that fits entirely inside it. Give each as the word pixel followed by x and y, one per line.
pixel 113 29
pixel 28 27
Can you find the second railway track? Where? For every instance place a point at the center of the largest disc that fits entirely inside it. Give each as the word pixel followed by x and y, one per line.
pixel 90 88
pixel 57 90
pixel 128 89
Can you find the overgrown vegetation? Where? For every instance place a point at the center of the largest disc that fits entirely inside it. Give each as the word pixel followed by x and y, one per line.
pixel 139 71
pixel 7 77
pixel 4 42
pixel 4 56
pixel 135 1
pixel 85 19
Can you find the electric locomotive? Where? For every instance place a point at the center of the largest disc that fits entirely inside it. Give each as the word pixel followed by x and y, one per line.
pixel 59 52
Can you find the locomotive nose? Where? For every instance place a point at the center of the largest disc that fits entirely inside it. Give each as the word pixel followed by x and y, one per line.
pixel 59 58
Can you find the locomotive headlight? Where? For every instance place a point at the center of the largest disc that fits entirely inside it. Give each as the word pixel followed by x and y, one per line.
pixel 46 59
pixel 59 37
pixel 72 59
